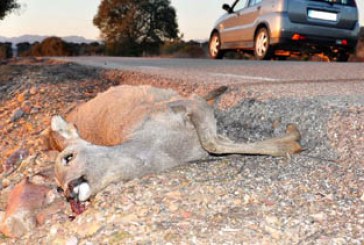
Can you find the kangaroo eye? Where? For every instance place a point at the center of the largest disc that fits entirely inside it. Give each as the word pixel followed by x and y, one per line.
pixel 66 160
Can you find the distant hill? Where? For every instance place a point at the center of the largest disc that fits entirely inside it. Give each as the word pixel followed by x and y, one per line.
pixel 39 38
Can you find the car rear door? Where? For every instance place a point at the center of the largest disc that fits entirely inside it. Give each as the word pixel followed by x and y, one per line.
pixel 229 27
pixel 239 28
pixel 248 22
pixel 342 14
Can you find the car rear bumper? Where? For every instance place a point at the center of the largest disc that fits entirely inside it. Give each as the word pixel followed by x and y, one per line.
pixel 315 35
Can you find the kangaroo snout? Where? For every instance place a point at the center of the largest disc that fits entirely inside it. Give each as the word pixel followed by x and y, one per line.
pixel 77 190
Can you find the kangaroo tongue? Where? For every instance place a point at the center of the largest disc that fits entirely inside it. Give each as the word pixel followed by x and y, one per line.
pixel 77 207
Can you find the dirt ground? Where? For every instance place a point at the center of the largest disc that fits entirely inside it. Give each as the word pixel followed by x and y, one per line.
pixel 315 197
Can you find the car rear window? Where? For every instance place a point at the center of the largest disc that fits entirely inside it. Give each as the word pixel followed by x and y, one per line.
pixel 341 2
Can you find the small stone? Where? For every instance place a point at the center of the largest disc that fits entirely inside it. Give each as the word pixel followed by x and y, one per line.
pixel 15 159
pixel 142 212
pixel 272 220
pixel 2 216
pixel 186 214
pixel 41 143
pixel 87 230
pixel 172 237
pixel 129 218
pixel 237 202
pixel 21 97
pixel 246 199
pixel 330 197
pixel 276 234
pixel 16 115
pixel 27 164
pixel 38 179
pixel 53 231
pixel 45 215
pixel 23 200
pixel 26 106
pixel 173 207
pixel 42 90
pixel 175 195
pixel 118 237
pixel 34 110
pixel 362 197
pixel 72 241
pixel 59 241
pixel 276 123
pixel 319 217
pixel 33 90
pixel 5 183
pixel 51 196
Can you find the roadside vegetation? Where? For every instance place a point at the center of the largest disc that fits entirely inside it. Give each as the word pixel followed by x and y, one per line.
pixel 178 48
pixel 128 28
pixel 55 46
pixel 7 6
pixel 136 28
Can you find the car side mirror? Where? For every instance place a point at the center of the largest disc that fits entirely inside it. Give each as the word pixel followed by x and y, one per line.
pixel 227 8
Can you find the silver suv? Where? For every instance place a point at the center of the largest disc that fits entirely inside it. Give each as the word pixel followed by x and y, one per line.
pixel 277 28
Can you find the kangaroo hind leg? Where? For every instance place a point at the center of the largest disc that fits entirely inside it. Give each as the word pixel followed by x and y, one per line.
pixel 204 122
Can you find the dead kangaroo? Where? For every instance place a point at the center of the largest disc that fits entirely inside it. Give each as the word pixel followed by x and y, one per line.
pixel 129 131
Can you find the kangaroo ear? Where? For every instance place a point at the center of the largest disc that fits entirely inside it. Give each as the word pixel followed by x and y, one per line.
pixel 61 133
pixel 64 129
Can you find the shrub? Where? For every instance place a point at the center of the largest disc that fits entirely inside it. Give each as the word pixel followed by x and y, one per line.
pixel 6 51
pixel 181 49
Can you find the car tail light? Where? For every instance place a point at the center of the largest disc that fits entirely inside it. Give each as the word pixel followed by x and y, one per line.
pixel 298 37
pixel 342 42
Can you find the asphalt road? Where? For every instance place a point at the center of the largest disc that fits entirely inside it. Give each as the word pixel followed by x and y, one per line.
pixel 293 77
pixel 239 70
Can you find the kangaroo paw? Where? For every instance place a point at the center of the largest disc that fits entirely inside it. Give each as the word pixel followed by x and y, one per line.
pixel 292 130
pixel 289 144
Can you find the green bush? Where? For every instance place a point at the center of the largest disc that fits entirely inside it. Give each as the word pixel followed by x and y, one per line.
pixel 181 49
pixel 6 51
pixel 55 46
pixel 23 49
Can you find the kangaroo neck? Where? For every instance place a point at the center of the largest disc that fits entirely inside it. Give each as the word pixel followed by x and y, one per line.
pixel 123 162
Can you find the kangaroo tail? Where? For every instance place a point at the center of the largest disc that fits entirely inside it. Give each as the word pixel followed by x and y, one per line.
pixel 214 94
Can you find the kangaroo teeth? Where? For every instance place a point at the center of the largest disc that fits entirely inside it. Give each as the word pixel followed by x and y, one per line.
pixel 84 192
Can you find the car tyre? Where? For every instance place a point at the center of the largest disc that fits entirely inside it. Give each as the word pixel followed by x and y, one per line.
pixel 215 51
pixel 262 47
pixel 342 56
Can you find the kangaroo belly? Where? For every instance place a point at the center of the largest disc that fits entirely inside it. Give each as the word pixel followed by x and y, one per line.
pixel 172 134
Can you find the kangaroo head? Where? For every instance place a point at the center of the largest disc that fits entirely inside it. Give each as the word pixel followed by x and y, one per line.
pixel 72 169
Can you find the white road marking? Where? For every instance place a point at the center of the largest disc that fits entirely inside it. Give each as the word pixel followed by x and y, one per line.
pixel 149 67
pixel 245 77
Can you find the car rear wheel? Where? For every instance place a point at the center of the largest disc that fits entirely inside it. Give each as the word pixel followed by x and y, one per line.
pixel 215 46
pixel 342 56
pixel 262 48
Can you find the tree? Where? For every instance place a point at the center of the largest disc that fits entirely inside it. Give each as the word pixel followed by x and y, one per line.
pixel 6 51
pixel 51 46
pixel 130 27
pixel 54 46
pixel 23 49
pixel 6 6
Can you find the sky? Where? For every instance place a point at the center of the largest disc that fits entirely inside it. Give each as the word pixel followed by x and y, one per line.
pixel 74 17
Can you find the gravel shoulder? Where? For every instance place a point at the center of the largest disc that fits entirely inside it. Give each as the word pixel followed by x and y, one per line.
pixel 316 197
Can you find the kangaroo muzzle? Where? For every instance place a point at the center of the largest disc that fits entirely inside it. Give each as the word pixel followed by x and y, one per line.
pixel 78 190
